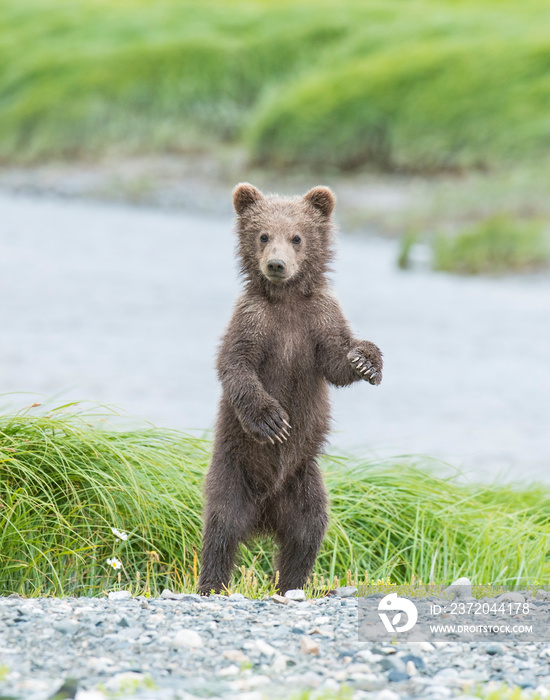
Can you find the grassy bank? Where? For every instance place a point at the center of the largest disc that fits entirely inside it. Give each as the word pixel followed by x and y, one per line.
pixel 495 245
pixel 421 85
pixel 66 480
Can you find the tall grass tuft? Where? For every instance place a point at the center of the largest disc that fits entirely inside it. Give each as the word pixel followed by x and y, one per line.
pixel 494 245
pixel 67 479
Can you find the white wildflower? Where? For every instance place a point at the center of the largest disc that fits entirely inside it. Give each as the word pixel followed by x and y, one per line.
pixel 119 534
pixel 115 563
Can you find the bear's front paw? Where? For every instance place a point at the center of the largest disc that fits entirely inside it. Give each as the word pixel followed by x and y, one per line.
pixel 367 362
pixel 270 424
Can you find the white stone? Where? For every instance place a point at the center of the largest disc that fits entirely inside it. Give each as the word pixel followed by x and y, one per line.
pixel 295 594
pixel 387 694
pixel 232 670
pixel 119 595
pixel 280 663
pixel 461 588
pixel 265 648
pixel 235 655
pixel 90 695
pixel 99 664
pixel 187 639
pixel 168 595
pixel 155 620
pixel 321 620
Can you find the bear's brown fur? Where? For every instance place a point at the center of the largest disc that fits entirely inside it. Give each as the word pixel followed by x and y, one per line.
pixel 287 340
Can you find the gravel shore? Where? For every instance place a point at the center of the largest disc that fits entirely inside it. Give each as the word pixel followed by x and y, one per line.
pixel 186 646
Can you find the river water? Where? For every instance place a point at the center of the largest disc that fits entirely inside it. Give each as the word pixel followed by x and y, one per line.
pixel 125 306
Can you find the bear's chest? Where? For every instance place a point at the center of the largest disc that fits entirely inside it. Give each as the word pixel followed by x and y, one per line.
pixel 288 341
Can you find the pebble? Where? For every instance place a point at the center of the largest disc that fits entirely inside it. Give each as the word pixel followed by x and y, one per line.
pixel 265 648
pixel 119 595
pixel 168 595
pixel 295 594
pixel 235 655
pixel 461 588
pixel 90 695
pixel 309 646
pixel 511 597
pixel 397 676
pixel 186 638
pixel 228 647
pixel 346 591
pixel 387 694
pixel 416 661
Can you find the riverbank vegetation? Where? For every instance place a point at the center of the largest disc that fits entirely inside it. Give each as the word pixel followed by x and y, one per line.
pixel 88 507
pixel 423 86
pixel 495 245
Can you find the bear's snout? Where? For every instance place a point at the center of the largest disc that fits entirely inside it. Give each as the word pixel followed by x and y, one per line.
pixel 276 267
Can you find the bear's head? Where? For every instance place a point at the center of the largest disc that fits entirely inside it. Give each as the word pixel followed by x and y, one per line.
pixel 284 242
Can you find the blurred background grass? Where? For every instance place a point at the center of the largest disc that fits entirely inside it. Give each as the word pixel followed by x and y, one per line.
pixel 421 85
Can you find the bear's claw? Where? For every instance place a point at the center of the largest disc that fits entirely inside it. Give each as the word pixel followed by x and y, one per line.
pixel 273 427
pixel 366 369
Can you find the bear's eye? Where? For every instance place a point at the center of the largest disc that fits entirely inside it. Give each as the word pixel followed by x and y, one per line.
pixel 296 240
pixel 264 238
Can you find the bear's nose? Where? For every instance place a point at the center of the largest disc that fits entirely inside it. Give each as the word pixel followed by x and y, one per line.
pixel 276 267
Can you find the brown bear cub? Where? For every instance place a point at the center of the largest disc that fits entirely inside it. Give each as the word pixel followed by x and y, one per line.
pixel 288 339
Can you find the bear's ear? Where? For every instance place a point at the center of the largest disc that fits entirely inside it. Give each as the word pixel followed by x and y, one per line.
pixel 244 196
pixel 322 198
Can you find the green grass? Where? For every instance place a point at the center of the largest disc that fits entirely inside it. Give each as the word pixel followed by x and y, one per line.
pixel 494 245
pixel 416 85
pixel 497 244
pixel 66 478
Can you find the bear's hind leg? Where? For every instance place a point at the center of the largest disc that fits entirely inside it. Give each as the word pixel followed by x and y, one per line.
pixel 228 520
pixel 299 518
